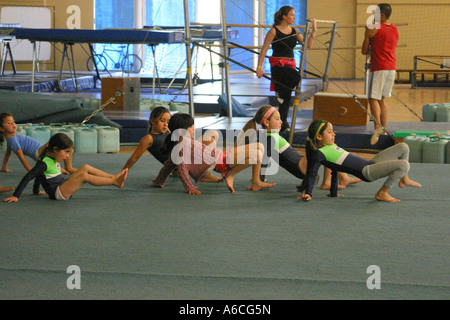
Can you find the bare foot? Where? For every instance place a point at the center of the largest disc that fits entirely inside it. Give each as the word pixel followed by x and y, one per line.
pixel 6 189
pixel 384 196
pixel 328 187
pixel 119 179
pixel 348 180
pixel 211 178
pixel 408 182
pixel 260 185
pixel 230 181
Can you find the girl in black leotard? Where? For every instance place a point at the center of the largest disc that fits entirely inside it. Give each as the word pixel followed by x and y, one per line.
pixel 153 142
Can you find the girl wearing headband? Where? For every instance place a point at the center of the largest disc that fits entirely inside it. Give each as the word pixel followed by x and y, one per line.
pixel 283 39
pixel 321 150
pixel 287 157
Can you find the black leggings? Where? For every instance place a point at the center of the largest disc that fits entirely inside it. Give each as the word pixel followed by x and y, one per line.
pixel 290 78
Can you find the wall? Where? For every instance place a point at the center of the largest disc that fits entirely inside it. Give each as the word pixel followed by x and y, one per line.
pixel 342 11
pixel 65 15
pixel 427 32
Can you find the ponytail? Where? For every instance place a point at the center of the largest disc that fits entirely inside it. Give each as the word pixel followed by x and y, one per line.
pixel 43 153
pixel 278 16
pixel 252 124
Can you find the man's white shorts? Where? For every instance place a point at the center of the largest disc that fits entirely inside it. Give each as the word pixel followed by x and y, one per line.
pixel 380 84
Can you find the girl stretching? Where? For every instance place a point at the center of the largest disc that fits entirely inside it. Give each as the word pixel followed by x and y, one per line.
pixel 320 149
pixel 153 142
pixel 48 173
pixel 288 158
pixel 23 145
pixel 196 159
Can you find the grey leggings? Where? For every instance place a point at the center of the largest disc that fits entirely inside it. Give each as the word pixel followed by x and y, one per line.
pixel 392 162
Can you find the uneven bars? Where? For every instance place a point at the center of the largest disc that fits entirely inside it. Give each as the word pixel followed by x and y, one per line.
pixel 239 25
pixel 297 48
pixel 324 21
pixel 399 24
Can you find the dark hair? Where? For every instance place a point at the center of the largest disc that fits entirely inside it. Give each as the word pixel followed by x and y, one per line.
pixel 278 16
pixel 3 116
pixel 310 146
pixel 251 124
pixel 178 121
pixel 60 141
pixel 155 115
pixel 386 9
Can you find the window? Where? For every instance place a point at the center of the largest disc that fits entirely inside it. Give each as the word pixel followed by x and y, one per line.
pixel 170 58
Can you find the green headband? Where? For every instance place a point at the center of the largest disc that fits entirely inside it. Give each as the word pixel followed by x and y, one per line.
pixel 321 125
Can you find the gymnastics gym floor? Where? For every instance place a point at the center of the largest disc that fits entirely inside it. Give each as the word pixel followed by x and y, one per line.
pixel 145 243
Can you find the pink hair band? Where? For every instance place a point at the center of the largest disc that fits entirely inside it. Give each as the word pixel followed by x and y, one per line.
pixel 268 114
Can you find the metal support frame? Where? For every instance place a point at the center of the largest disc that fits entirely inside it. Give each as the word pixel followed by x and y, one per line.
pixel 188 41
pixel 35 65
pixel 414 75
pixel 225 62
pixel 302 65
pixel 330 52
pixel 72 68
pixel 366 74
pixel 299 85
pixel 7 52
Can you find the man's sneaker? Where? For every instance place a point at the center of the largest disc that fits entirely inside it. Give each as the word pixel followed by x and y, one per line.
pixel 285 127
pixel 375 135
pixel 280 101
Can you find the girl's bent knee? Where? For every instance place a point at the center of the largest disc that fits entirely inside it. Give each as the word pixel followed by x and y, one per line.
pixel 405 165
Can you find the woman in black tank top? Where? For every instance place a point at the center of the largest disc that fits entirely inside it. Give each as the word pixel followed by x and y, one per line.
pixel 283 39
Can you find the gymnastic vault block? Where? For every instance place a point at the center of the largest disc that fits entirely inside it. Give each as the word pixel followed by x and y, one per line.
pixel 340 109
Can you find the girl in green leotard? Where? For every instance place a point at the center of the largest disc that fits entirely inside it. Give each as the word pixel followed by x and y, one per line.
pixel 48 173
pixel 279 149
pixel 322 150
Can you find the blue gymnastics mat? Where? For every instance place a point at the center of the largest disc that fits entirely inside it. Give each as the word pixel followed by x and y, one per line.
pixel 146 243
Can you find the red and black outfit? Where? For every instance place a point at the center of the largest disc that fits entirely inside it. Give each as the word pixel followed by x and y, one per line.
pixel 284 70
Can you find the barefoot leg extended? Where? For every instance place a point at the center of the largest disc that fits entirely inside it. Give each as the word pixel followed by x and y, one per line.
pixel 93 176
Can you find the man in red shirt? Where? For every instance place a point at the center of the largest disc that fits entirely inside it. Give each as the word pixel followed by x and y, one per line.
pixel 381 41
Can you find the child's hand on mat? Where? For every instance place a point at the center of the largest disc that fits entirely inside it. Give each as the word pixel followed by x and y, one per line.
pixel 11 199
pixel 194 192
pixel 305 197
